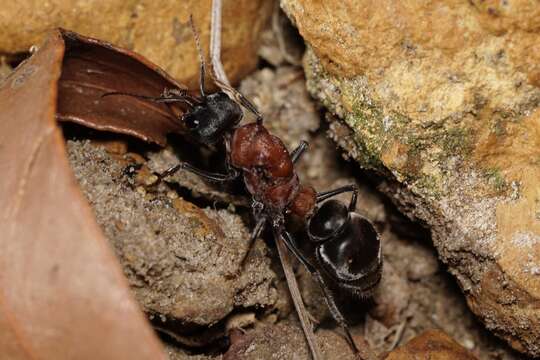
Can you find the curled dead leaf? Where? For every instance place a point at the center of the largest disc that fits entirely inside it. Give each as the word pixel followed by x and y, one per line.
pixel 92 68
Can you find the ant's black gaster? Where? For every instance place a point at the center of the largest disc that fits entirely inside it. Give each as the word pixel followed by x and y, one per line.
pixel 346 246
pixel 343 251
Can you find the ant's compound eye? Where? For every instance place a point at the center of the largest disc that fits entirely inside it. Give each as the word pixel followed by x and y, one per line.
pixel 192 122
pixel 328 220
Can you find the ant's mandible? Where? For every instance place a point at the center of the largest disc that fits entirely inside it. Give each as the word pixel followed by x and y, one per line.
pixel 343 250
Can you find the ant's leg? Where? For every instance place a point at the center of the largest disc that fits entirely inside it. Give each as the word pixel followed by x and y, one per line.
pixel 336 313
pixel 296 153
pixel 211 176
pixel 166 97
pixel 347 188
pixel 254 235
pixel 303 316
pixel 291 246
pixel 248 105
pixel 240 99
pixel 170 171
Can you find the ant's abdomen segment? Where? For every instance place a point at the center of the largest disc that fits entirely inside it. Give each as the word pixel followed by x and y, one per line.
pixel 274 195
pixel 304 202
pixel 348 249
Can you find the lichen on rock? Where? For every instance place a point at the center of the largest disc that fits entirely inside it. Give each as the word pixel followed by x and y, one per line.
pixel 443 99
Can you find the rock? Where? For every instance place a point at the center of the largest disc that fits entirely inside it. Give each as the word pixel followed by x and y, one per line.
pixel 433 345
pixel 448 110
pixel 159 30
pixel 5 69
pixel 182 262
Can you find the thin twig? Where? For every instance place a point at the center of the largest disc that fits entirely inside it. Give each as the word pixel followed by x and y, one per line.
pixel 297 298
pixel 215 43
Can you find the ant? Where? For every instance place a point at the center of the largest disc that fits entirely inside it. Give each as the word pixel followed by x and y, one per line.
pixel 343 251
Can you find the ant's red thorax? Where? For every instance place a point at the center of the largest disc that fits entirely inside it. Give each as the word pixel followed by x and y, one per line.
pixel 268 169
pixel 253 146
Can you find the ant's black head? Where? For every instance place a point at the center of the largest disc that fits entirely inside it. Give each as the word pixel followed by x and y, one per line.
pixel 211 119
pixel 349 247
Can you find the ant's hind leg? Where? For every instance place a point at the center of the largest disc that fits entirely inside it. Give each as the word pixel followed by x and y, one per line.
pixel 336 313
pixel 300 149
pixel 291 246
pixel 347 188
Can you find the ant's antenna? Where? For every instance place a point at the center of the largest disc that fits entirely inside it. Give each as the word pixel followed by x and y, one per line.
pixel 168 96
pixel 202 71
pixel 218 72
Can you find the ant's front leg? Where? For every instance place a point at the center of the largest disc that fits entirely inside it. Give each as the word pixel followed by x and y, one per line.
pixel 211 176
pixel 232 173
pixel 300 149
pixel 347 188
pixel 259 227
pixel 240 99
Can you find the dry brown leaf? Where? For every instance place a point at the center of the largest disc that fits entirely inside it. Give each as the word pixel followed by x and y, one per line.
pixel 62 292
pixel 92 68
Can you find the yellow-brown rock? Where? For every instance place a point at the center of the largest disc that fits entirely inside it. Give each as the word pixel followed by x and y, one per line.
pixel 432 345
pixel 443 98
pixel 157 29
